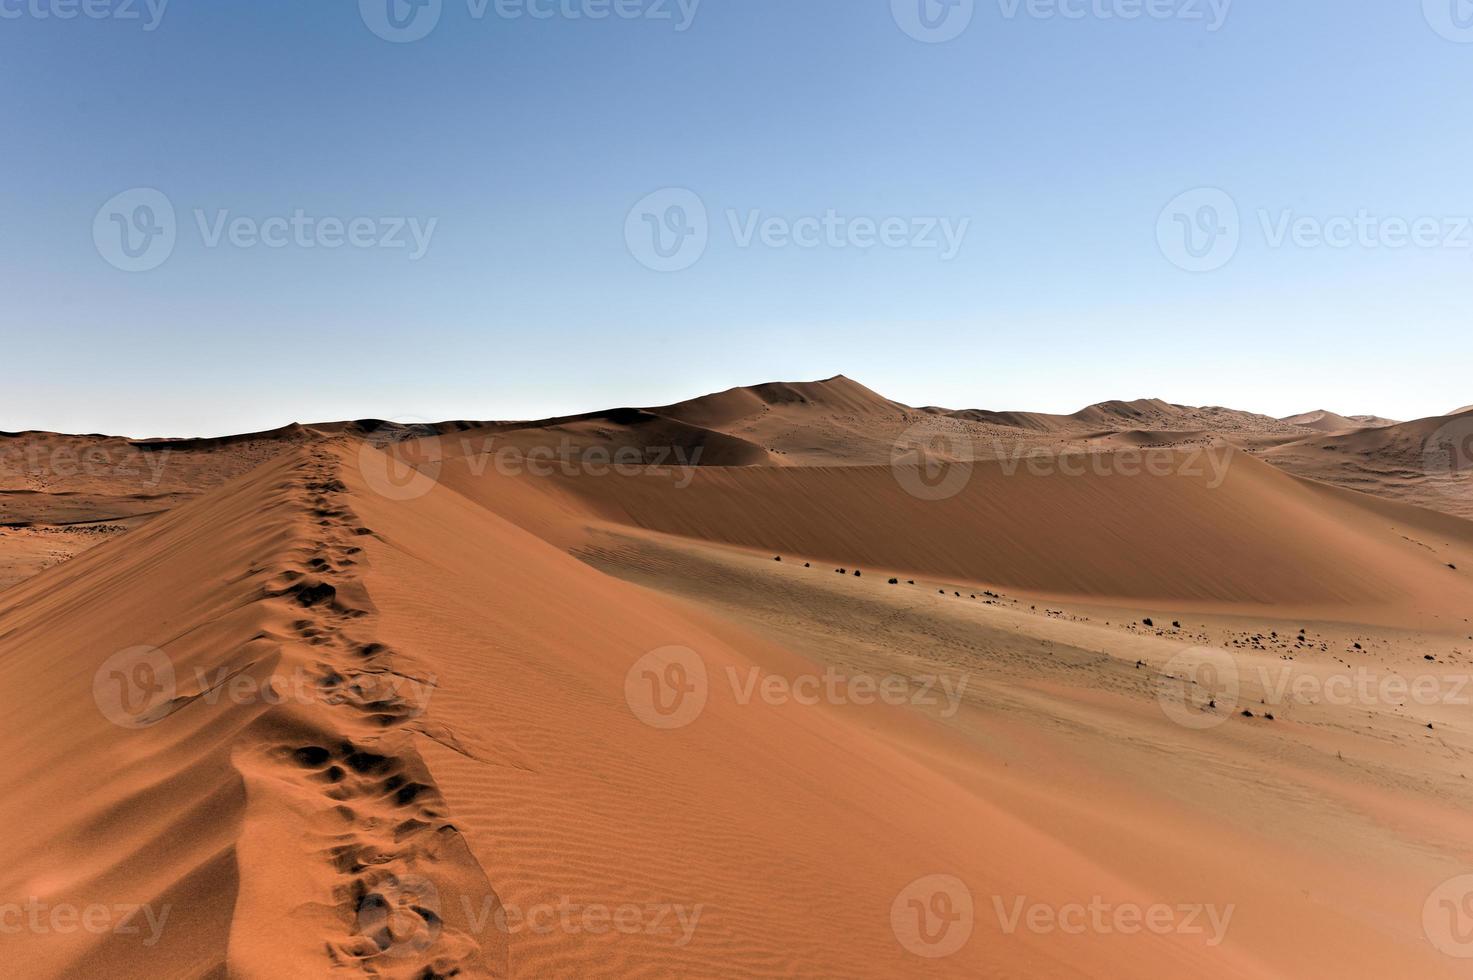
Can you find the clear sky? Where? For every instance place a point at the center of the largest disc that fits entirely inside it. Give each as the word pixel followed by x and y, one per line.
pixel 984 221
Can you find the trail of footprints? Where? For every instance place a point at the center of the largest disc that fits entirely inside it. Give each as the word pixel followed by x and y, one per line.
pixel 395 838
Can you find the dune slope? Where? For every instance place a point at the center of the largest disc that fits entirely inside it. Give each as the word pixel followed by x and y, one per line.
pixel 1217 528
pixel 323 722
pixel 204 730
pixel 311 729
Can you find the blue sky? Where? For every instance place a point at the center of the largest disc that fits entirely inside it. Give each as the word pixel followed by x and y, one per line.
pixel 531 153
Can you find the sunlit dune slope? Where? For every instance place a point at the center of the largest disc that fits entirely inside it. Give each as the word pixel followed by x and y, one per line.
pixel 1218 528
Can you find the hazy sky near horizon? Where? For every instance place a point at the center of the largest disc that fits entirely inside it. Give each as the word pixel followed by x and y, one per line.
pixel 226 217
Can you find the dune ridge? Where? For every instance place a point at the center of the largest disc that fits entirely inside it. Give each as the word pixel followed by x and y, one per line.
pixel 269 771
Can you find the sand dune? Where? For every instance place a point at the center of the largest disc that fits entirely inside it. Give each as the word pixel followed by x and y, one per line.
pixel 480 699
pixel 1322 421
pixel 1212 527
pixel 389 829
pixel 1140 414
pixel 1425 462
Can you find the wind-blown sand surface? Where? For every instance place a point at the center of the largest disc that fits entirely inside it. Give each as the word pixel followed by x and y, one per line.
pixel 331 715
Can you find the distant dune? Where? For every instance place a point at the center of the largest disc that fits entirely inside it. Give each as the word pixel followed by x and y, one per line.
pixel 1405 461
pixel 1322 421
pixel 820 423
